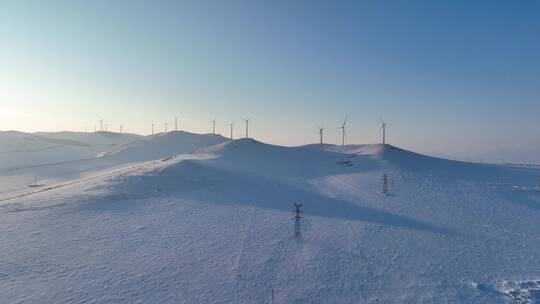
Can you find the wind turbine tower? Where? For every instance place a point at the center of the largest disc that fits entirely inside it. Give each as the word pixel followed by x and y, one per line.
pixel 100 125
pixel 247 126
pixel 176 124
pixel 165 127
pixel 152 129
pixel 231 125
pixel 121 128
pixel 383 127
pixel 321 130
pixel 214 126
pixel 343 131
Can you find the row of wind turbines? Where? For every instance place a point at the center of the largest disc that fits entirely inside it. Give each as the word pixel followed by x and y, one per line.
pixel 320 128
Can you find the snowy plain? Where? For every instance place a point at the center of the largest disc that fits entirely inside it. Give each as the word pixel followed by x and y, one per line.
pixel 197 218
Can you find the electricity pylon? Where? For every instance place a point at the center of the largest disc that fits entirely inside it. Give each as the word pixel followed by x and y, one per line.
pixel 385 183
pixel 297 232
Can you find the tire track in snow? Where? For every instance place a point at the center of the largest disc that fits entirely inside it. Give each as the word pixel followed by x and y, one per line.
pixel 114 173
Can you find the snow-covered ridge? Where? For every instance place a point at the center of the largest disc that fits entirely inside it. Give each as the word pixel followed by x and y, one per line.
pixel 163 145
pixel 215 226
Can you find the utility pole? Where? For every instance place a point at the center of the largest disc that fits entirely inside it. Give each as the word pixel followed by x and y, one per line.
pixel 297 232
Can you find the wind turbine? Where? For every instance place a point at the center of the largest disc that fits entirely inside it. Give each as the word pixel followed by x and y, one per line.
pixel 121 128
pixel 214 126
pixel 321 130
pixel 100 124
pixel 152 129
pixel 247 126
pixel 383 127
pixel 165 127
pixel 232 125
pixel 343 131
pixel 176 124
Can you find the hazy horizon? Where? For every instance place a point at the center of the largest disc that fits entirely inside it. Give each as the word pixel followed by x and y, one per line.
pixel 445 88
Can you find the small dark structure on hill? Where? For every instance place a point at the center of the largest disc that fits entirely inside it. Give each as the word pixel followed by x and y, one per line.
pixel 385 183
pixel 297 232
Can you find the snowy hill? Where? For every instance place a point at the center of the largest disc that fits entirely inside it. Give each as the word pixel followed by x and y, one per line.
pixel 19 149
pixel 215 226
pixel 163 145
pixel 63 156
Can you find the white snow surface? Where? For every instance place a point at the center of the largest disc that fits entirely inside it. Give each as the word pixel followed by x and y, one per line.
pixel 186 218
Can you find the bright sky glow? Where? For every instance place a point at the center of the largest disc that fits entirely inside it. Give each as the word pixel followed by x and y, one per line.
pixel 449 77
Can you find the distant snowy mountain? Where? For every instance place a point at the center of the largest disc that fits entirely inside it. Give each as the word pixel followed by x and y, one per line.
pixel 30 149
pixel 379 224
pixel 526 157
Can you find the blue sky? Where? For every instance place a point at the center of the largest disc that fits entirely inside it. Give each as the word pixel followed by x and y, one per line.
pixel 449 77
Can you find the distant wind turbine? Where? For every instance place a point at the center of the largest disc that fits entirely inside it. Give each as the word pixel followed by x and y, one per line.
pixel 176 124
pixel 321 130
pixel 101 124
pixel 383 128
pixel 214 126
pixel 165 127
pixel 121 128
pixel 231 125
pixel 247 126
pixel 343 131
pixel 152 129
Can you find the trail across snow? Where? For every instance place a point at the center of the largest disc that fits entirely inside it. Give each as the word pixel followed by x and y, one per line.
pixel 215 226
